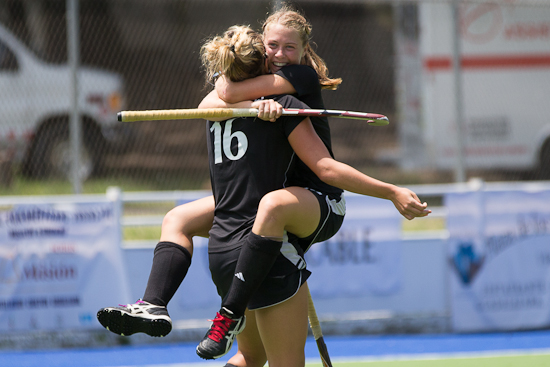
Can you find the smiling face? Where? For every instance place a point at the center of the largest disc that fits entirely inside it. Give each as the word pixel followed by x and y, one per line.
pixel 283 46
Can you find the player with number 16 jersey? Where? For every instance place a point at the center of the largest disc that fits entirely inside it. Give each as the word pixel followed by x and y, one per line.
pixel 248 158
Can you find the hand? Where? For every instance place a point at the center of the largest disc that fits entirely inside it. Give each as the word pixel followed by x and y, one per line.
pixel 409 205
pixel 268 109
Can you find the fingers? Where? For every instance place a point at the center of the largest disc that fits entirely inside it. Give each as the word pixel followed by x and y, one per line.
pixel 269 110
pixel 416 210
pixel 410 206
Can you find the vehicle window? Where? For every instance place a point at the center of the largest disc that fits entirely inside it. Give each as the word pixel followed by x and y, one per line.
pixel 8 61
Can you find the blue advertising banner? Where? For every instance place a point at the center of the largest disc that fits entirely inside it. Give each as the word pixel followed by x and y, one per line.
pixel 364 257
pixel 59 263
pixel 499 258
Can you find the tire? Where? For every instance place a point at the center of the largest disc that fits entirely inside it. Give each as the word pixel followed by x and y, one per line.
pixel 51 155
pixel 543 170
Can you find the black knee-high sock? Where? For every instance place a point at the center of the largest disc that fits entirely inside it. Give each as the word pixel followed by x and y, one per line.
pixel 257 256
pixel 170 264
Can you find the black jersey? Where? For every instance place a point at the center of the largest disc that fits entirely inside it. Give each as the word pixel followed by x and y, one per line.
pixel 248 158
pixel 308 90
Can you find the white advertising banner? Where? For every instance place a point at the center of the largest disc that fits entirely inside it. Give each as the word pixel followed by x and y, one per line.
pixel 364 257
pixel 499 255
pixel 59 263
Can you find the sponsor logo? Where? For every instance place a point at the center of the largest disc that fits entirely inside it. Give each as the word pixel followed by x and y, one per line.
pixel 467 262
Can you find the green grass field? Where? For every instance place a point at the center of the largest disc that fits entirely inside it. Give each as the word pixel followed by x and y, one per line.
pixel 530 360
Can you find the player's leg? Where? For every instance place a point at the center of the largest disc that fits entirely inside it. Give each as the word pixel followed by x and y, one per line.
pixel 295 210
pixel 283 329
pixel 251 351
pixel 186 221
pixel 171 260
pixel 173 253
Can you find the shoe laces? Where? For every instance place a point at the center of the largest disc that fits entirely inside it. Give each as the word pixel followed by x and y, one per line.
pixel 220 327
pixel 139 302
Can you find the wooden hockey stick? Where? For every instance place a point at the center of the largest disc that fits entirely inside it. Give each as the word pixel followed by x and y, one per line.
pixel 195 113
pixel 317 332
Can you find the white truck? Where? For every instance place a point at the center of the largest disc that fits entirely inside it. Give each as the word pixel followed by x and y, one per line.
pixel 506 86
pixel 35 105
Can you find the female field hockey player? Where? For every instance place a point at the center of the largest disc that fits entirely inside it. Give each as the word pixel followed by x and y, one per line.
pixel 310 211
pixel 240 179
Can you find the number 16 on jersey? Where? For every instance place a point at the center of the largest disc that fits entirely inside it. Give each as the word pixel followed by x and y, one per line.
pixel 222 141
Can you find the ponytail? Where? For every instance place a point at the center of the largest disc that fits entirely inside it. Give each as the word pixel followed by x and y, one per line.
pixel 238 54
pixel 310 58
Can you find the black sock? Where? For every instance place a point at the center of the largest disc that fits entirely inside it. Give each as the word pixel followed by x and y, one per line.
pixel 257 256
pixel 170 264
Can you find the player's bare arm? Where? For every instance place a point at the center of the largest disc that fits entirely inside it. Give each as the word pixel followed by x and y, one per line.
pixel 251 89
pixel 311 150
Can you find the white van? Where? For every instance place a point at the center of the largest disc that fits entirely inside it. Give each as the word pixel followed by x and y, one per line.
pixel 35 105
pixel 506 87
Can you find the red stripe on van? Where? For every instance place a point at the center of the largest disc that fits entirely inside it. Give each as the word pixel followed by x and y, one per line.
pixel 489 62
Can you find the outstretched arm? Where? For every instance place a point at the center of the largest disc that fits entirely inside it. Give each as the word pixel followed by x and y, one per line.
pixel 311 150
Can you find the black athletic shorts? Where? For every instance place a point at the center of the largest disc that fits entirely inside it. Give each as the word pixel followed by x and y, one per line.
pixel 333 211
pixel 281 283
pixel 289 271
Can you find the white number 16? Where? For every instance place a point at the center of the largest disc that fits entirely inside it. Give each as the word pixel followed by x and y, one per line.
pixel 228 136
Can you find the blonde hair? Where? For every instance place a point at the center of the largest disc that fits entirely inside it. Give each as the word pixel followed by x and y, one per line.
pixel 239 54
pixel 290 18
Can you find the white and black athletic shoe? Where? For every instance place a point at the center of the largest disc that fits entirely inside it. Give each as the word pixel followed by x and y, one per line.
pixel 219 338
pixel 139 317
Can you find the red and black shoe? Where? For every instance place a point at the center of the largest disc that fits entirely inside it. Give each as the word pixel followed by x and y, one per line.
pixel 219 338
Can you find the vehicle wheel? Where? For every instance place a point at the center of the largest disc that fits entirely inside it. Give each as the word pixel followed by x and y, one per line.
pixel 52 156
pixel 543 171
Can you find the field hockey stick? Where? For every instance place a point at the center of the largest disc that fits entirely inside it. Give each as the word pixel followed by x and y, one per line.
pixel 317 332
pixel 373 119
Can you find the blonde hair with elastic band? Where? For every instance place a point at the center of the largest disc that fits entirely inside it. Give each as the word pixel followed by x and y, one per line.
pixel 239 54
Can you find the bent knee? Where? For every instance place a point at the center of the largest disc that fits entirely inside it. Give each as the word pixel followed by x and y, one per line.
pixel 179 221
pixel 173 218
pixel 272 203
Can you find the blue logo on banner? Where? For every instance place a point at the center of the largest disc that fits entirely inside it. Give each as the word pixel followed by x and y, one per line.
pixel 467 262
